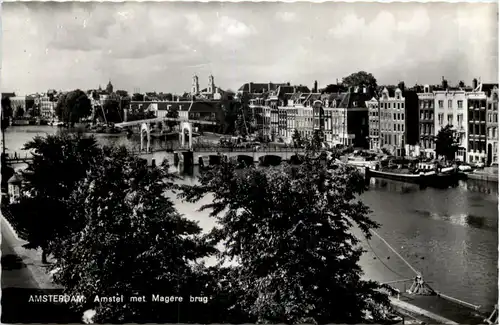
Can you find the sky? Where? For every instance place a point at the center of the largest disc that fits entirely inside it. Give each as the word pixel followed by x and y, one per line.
pixel 160 46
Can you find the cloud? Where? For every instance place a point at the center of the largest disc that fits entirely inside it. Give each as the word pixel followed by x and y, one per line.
pixel 419 24
pixel 69 45
pixel 286 16
pixel 194 24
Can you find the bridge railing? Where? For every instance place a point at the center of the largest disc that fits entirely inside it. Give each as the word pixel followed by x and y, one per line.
pixel 236 149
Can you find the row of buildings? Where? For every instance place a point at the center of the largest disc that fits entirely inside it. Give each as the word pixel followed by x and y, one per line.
pixel 402 121
pixel 35 104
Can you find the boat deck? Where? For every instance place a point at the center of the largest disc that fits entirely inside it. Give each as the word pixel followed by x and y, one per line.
pixel 445 308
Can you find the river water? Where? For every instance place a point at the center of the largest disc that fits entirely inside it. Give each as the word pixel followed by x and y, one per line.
pixel 450 236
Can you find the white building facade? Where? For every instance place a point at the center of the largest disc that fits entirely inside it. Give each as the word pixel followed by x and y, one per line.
pixel 450 109
pixel 392 122
pixel 492 128
pixel 373 123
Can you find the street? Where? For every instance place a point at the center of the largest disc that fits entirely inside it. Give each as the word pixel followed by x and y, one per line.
pixel 18 284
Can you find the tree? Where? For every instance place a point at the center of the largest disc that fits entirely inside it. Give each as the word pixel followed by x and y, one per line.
pixel 230 117
pixel 132 241
pixel 316 142
pixel 59 162
pixel 289 230
pixel 6 112
pixel 461 84
pixel 73 106
pixel 359 79
pixel 446 143
pixel 122 93
pixel 19 112
pixel 137 97
pixel 333 88
pixel 240 126
pixel 173 113
pixel 297 139
pixel 111 111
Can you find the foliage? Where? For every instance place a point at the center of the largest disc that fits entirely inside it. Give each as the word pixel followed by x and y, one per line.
pixel 19 112
pixel 59 162
pixel 167 96
pixel 138 97
pixel 136 113
pixel 461 84
pixel 289 229
pixel 240 126
pixel 132 241
pixel 122 93
pixel 6 112
pixel 110 111
pixel 360 79
pixel 333 88
pixel 173 113
pixel 297 139
pixel 446 143
pixel 316 142
pixel 73 106
pixel 230 117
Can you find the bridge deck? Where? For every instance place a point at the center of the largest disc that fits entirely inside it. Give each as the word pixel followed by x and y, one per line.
pixel 161 119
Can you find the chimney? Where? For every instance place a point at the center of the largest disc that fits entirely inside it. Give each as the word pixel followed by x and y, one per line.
pixel 269 85
pixel 315 86
pixel 250 87
pixel 337 81
pixel 474 83
pixel 294 89
pixel 444 83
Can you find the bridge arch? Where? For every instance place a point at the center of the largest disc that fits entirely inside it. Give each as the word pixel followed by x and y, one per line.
pixel 145 129
pixel 186 126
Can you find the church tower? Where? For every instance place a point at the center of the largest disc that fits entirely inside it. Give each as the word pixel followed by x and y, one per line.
pixel 211 84
pixel 195 86
pixel 109 88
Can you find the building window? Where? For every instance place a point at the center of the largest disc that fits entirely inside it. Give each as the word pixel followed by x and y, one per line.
pixel 440 104
pixel 449 103
pixel 394 127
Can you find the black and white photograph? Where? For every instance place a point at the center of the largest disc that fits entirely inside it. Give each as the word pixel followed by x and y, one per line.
pixel 249 162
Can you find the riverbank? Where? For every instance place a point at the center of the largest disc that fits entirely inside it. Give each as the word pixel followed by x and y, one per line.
pixel 488 174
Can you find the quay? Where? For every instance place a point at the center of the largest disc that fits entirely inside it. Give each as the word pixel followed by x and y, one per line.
pixel 488 174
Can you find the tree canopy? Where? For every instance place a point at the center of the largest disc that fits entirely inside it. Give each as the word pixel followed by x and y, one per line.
pixel 173 113
pixel 446 143
pixel 6 112
pixel 297 139
pixel 138 97
pixel 110 111
pixel 73 106
pixel 360 79
pixel 122 93
pixel 289 230
pixel 132 241
pixel 59 162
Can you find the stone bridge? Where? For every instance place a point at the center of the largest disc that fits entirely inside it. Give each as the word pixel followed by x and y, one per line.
pixel 211 155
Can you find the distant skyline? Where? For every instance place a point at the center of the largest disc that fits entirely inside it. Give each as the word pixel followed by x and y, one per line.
pixel 160 46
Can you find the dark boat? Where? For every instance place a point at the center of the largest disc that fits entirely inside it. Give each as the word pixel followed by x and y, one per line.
pixel 431 178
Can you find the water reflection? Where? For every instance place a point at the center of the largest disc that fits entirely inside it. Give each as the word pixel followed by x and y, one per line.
pixel 466 220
